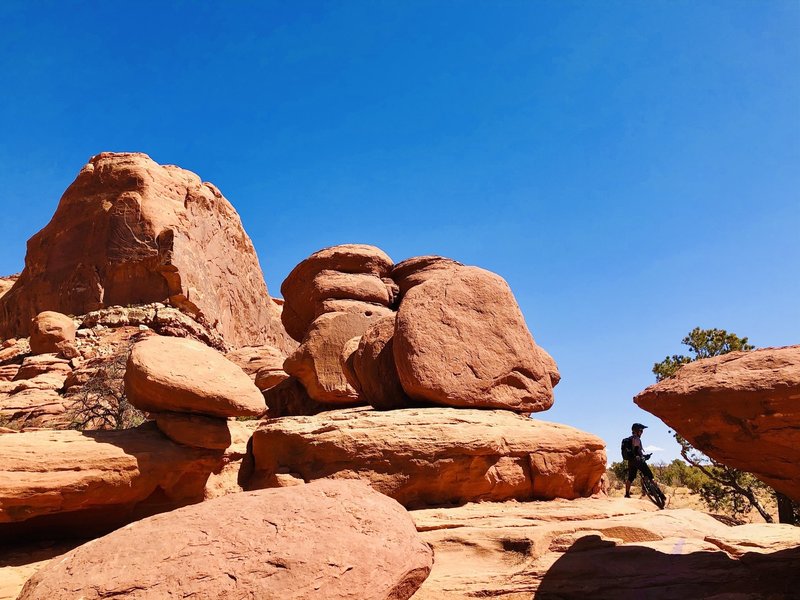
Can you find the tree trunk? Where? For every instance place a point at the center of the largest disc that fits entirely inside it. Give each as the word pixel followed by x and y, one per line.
pixel 785 509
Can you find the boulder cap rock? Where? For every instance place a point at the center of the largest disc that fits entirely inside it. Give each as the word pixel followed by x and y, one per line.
pixel 198 431
pixel 327 540
pixel 182 375
pixel 461 340
pixel 418 269
pixel 741 409
pixel 303 298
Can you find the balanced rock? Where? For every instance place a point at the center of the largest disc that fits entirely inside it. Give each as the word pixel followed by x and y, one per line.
pixel 329 540
pixel 433 456
pixel 741 409
pixel 346 272
pixel 461 340
pixel 264 364
pixel 374 368
pixel 182 375
pixel 52 332
pixel 130 231
pixel 317 362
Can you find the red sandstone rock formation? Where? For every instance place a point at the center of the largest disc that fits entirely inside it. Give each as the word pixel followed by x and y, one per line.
pixel 317 361
pixel 53 332
pixel 6 283
pixel 374 369
pixel 413 271
pixel 461 340
pixel 602 548
pixel 130 231
pixel 79 482
pixel 350 273
pixel 433 456
pixel 742 409
pixel 329 540
pixel 181 375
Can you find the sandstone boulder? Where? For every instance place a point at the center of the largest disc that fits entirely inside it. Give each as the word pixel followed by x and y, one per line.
pixel 182 375
pixel 374 367
pixel 52 332
pixel 461 340
pixel 317 362
pixel 197 431
pixel 131 231
pixel 289 398
pixel 433 456
pixel 73 482
pixel 413 271
pixel 329 540
pixel 345 272
pixel 741 408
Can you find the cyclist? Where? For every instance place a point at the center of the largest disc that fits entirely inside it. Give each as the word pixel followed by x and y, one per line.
pixel 637 463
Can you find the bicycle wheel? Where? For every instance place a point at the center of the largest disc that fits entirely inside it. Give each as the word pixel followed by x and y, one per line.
pixel 651 489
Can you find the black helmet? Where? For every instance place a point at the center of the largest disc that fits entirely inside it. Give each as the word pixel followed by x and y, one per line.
pixel 638 426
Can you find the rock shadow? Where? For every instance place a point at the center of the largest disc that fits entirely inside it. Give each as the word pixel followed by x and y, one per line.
pixel 600 569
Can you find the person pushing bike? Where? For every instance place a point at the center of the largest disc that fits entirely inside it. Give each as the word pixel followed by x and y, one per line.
pixel 636 457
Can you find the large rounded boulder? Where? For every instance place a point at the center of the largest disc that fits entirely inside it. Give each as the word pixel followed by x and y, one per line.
pixel 461 340
pixel 328 540
pixel 346 273
pixel 182 375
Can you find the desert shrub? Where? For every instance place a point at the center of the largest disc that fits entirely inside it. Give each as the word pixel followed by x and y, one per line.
pixel 101 402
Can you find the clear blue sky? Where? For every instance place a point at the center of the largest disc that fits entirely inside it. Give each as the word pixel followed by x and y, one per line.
pixel 631 168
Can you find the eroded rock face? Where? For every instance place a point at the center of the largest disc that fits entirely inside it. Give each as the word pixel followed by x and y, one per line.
pixel 741 408
pixel 327 540
pixel 413 271
pixel 73 482
pixel 349 272
pixel 603 548
pixel 131 231
pixel 6 283
pixel 182 375
pixel 374 369
pixel 451 456
pixel 264 364
pixel 53 332
pixel 461 340
pixel 317 362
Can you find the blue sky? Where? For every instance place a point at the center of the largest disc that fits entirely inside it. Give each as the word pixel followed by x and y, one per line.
pixel 631 168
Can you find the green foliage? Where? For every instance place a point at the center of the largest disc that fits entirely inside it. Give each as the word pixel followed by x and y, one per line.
pixel 702 343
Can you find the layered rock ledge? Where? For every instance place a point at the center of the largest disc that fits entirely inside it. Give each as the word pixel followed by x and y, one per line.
pixel 432 456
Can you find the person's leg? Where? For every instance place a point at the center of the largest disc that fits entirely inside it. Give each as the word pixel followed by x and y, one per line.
pixel 631 476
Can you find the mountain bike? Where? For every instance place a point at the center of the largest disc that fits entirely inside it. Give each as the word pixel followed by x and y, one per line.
pixel 653 492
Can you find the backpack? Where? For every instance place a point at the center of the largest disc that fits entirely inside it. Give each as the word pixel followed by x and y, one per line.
pixel 627 448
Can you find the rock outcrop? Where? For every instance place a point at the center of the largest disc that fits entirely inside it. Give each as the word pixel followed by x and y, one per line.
pixel 52 332
pixel 329 540
pixel 264 364
pixel 602 548
pixel 741 408
pixel 374 369
pixel 6 283
pixel 433 456
pixel 131 231
pixel 332 279
pixel 73 482
pixel 182 375
pixel 418 269
pixel 461 340
pixel 317 362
